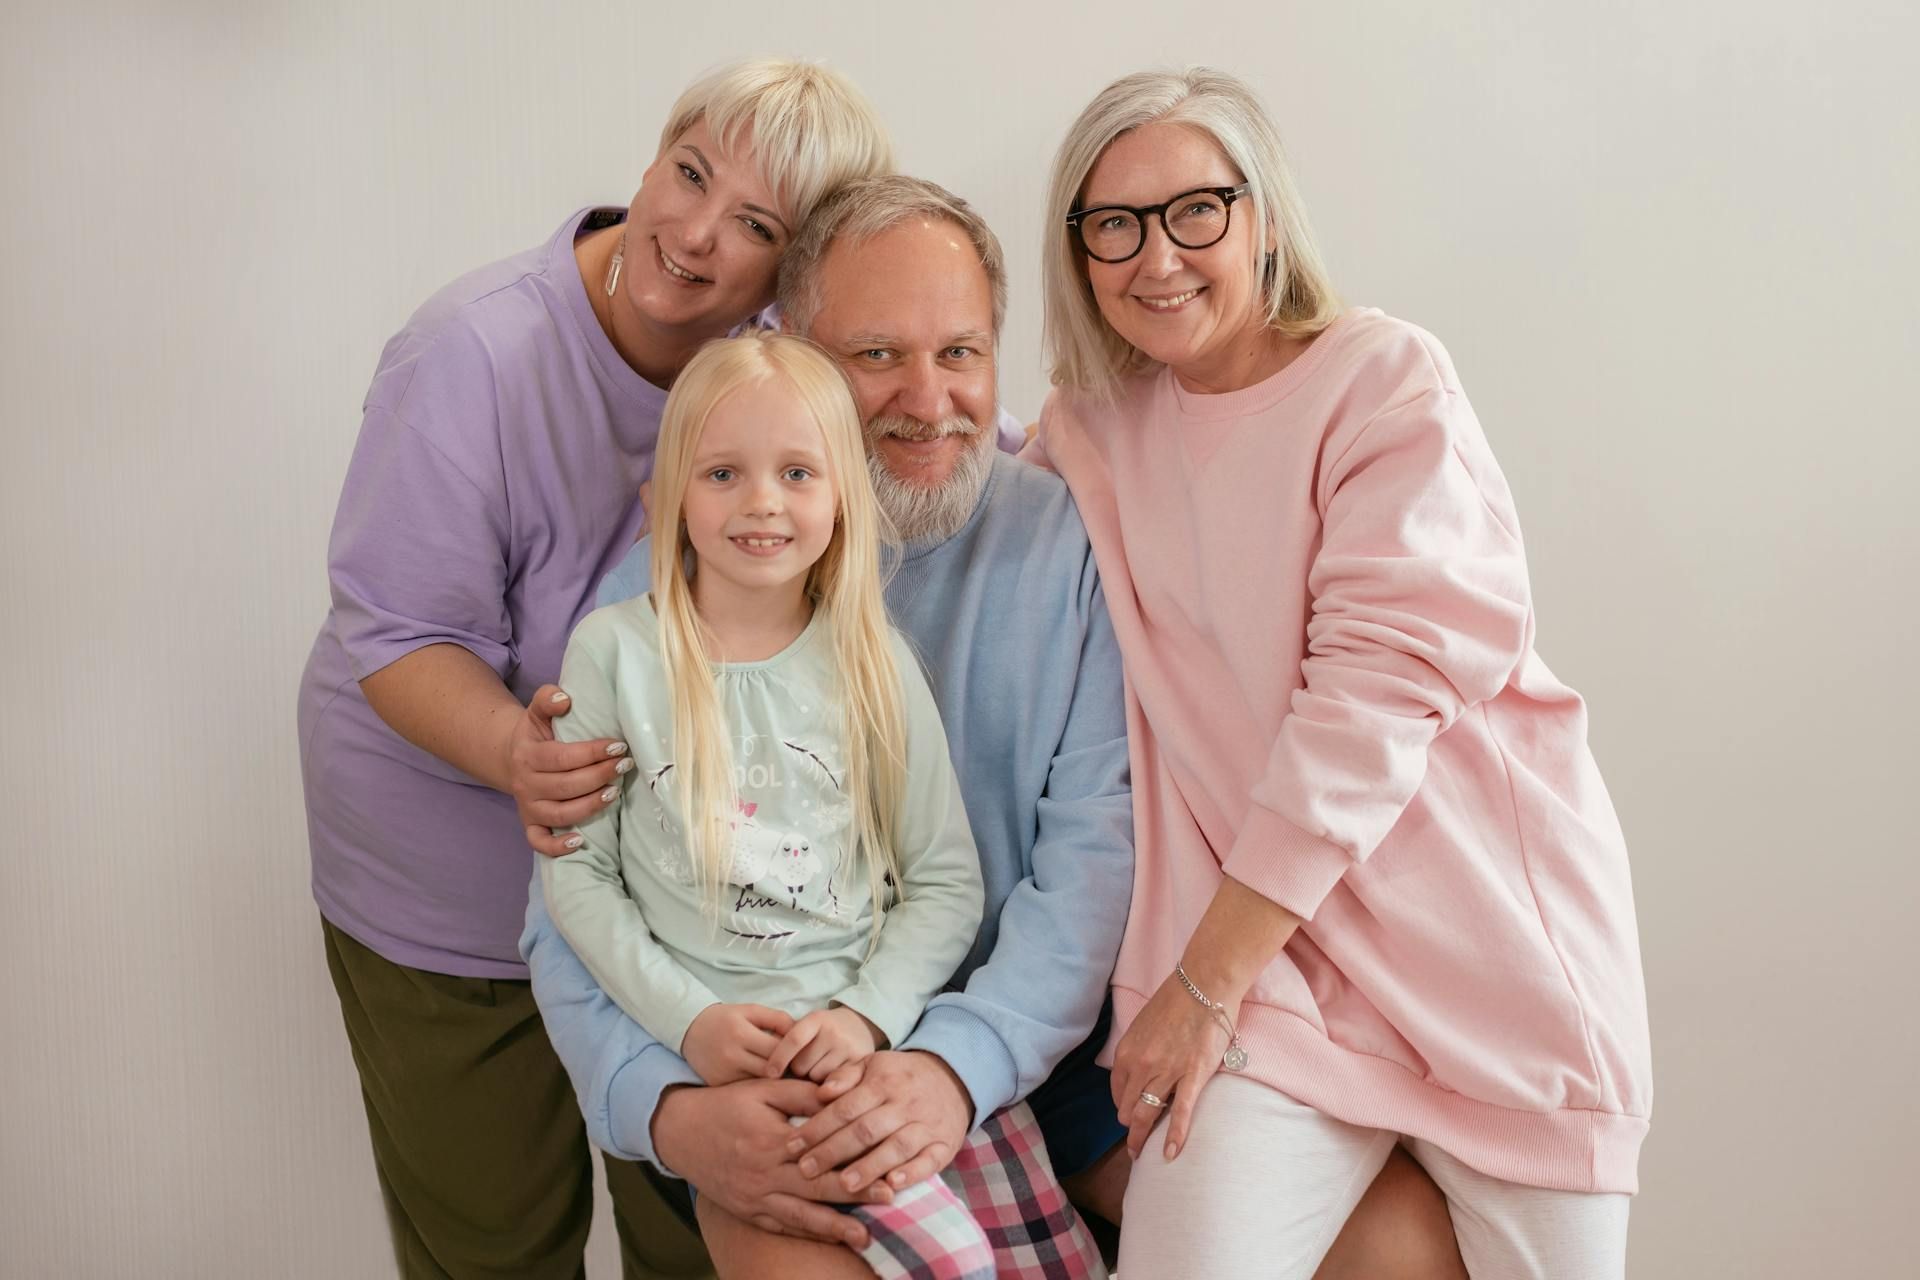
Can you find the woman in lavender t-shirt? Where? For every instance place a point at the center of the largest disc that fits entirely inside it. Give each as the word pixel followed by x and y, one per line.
pixel 507 432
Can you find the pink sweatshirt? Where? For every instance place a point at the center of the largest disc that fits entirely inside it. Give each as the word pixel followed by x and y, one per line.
pixel 1321 597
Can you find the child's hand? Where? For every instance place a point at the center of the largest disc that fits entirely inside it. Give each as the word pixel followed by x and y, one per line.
pixel 821 1042
pixel 729 1042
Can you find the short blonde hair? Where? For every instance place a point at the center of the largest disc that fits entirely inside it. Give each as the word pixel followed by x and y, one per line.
pixel 812 129
pixel 846 583
pixel 861 210
pixel 1084 351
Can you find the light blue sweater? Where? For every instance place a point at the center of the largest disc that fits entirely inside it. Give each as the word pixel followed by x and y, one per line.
pixel 1009 619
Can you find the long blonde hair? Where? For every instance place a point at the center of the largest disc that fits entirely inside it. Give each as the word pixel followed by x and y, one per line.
pixel 1296 296
pixel 845 582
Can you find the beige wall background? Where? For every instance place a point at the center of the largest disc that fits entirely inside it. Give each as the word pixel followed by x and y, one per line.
pixel 1670 245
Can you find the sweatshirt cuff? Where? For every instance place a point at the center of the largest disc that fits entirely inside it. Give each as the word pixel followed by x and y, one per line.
pixel 976 1053
pixel 634 1095
pixel 1280 861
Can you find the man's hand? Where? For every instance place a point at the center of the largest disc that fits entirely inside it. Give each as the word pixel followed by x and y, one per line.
pixel 821 1043
pixel 729 1042
pixel 559 784
pixel 731 1144
pixel 896 1119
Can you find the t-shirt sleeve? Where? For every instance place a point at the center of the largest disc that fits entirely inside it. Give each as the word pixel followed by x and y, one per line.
pixel 419 553
pixel 1012 431
pixel 1034 450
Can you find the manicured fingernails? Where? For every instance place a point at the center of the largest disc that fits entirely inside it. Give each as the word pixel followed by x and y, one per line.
pixel 608 795
pixel 574 841
pixel 625 765
pixel 559 695
pixel 616 748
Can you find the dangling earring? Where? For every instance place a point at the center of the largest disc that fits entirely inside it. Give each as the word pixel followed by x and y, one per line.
pixel 613 268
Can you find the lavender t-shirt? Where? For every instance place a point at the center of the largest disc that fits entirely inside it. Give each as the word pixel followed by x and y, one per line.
pixel 495 481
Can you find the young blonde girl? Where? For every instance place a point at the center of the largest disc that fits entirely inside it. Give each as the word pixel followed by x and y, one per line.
pixel 788 877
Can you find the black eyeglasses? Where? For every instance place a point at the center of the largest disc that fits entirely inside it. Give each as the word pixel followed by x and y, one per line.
pixel 1193 220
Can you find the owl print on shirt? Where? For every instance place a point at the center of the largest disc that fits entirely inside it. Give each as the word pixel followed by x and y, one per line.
pixel 791 833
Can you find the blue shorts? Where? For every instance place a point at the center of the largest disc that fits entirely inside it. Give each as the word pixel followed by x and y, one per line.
pixel 1074 1106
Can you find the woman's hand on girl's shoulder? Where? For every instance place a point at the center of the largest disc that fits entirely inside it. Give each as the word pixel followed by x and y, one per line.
pixel 729 1042
pixel 559 784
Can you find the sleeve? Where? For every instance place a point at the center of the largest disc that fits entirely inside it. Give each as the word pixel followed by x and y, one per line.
pixel 585 893
pixel 928 932
pixel 1034 451
pixel 619 1072
pixel 1039 993
pixel 1012 431
pixel 1421 610
pixel 419 552
pixel 632 577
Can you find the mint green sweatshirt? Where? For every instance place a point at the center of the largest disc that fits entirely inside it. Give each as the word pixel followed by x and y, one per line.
pixel 795 922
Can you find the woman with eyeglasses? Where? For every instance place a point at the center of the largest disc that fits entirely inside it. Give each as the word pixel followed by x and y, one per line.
pixel 506 435
pixel 1381 900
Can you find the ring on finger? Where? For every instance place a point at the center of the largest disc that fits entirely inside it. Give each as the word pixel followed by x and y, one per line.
pixel 1152 1099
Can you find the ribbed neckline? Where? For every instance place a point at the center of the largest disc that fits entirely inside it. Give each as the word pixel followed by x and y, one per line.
pixel 1265 394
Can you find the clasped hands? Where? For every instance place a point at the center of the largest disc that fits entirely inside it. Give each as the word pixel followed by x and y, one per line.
pixel 729 1042
pixel 873 1127
pixel 890 1146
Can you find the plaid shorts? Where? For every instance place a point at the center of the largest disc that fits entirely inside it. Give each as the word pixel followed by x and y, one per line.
pixel 998 1209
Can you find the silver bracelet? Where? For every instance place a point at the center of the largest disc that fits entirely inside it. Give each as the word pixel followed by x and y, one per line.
pixel 1235 1059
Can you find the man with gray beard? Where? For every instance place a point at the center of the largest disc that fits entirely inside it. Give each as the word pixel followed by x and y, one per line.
pixel 995 584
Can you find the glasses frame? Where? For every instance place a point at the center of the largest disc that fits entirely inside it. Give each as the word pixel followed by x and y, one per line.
pixel 1226 196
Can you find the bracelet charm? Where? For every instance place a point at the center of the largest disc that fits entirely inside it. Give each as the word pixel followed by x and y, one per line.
pixel 1235 1058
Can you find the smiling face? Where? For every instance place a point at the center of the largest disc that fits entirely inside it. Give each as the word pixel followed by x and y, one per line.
pixel 1193 310
pixel 704 236
pixel 908 313
pixel 760 499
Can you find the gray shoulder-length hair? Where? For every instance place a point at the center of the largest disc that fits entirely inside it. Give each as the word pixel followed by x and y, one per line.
pixel 1083 350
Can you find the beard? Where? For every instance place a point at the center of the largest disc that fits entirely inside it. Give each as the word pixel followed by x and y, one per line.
pixel 937 512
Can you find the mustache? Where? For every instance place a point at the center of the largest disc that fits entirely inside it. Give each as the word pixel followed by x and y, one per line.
pixel 900 426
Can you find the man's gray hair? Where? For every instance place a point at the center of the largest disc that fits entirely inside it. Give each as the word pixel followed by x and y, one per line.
pixel 863 209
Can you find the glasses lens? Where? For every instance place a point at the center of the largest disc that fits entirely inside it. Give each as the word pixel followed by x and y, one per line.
pixel 1110 234
pixel 1197 220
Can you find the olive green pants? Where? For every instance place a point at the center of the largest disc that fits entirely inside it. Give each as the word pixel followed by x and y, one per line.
pixel 482 1155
